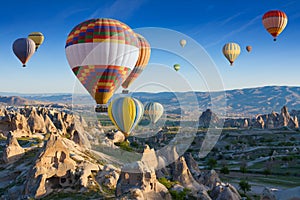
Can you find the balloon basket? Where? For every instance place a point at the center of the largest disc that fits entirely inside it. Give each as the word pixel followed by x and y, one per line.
pixel 125 91
pixel 101 109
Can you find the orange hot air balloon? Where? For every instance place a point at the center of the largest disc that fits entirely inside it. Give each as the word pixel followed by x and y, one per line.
pixel 248 48
pixel 144 56
pixel 274 22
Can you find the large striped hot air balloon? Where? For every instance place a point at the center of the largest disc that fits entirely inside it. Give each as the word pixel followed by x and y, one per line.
pixel 23 48
pixel 274 22
pixel 153 111
pixel 125 113
pixel 38 38
pixel 101 53
pixel 231 51
pixel 144 56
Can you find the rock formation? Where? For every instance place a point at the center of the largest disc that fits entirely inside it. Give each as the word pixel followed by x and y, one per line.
pixel 109 176
pixel 208 118
pixel 139 181
pixel 36 122
pixel 181 173
pixel 209 178
pixel 14 122
pixel 116 137
pixel 224 191
pixel 13 151
pixel 259 123
pixel 53 167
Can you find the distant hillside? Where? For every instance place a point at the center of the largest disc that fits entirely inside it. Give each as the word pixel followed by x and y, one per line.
pixel 250 101
pixel 17 101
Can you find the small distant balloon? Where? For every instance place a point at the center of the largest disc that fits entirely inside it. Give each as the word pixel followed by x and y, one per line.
pixel 38 38
pixel 24 48
pixel 249 48
pixel 275 22
pixel 176 67
pixel 154 111
pixel 231 51
pixel 182 42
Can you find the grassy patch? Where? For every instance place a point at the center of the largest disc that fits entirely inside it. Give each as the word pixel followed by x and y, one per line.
pixel 167 182
pixel 124 146
pixel 77 196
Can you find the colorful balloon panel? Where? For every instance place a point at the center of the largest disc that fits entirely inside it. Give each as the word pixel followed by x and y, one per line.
pixel 125 113
pixel 153 111
pixel 144 56
pixel 231 51
pixel 37 37
pixel 101 53
pixel 275 22
pixel 23 48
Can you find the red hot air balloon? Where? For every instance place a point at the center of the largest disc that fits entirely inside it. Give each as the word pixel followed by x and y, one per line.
pixel 275 22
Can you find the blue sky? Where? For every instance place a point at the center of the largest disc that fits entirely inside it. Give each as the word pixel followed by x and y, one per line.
pixel 210 23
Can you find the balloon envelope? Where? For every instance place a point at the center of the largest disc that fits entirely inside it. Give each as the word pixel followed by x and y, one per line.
pixel 275 22
pixel 23 48
pixel 176 67
pixel 37 37
pixel 249 48
pixel 144 56
pixel 154 111
pixel 101 53
pixel 182 42
pixel 125 113
pixel 231 51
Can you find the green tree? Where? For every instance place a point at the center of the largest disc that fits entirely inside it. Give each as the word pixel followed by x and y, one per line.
pixel 224 170
pixel 212 163
pixel 245 186
pixel 243 167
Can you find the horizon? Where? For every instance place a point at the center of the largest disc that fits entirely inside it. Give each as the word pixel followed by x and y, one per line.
pixel 118 93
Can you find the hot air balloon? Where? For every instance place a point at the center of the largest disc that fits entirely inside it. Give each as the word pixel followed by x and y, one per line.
pixel 144 56
pixel 125 113
pixel 274 22
pixel 153 111
pixel 231 51
pixel 23 48
pixel 37 37
pixel 101 52
pixel 176 67
pixel 249 48
pixel 182 42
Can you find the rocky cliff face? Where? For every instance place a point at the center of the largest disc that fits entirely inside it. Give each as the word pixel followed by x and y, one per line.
pixel 13 151
pixel 209 119
pixel 62 162
pixel 261 121
pixel 28 121
pixel 139 181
